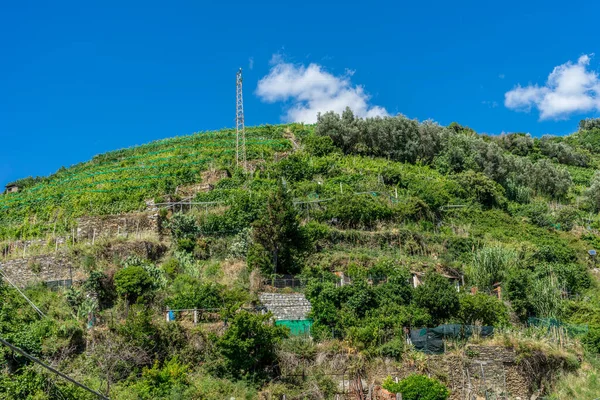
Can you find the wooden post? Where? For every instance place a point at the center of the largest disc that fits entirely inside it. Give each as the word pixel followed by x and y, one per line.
pixel 195 316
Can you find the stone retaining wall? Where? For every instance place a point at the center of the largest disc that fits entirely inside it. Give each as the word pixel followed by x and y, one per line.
pixel 27 271
pixel 117 225
pixel 480 372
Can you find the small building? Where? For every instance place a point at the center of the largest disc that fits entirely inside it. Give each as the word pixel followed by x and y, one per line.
pixel 11 188
pixel 288 309
pixel 417 279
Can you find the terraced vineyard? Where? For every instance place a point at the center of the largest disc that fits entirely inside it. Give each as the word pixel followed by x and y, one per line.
pixel 120 181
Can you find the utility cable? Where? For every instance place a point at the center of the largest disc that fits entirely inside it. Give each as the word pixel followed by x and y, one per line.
pixel 49 368
pixel 23 294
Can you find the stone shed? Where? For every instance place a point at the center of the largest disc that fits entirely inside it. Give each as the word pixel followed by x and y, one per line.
pixel 289 310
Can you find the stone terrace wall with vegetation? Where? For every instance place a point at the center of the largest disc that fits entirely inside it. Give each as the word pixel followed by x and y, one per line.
pixel 26 271
pixel 113 225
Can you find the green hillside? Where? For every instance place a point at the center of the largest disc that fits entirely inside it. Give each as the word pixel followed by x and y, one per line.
pixel 382 201
pixel 121 180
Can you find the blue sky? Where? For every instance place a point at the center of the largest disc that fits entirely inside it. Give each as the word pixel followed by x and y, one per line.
pixel 82 78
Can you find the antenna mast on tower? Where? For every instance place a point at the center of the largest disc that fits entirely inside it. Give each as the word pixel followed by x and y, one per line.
pixel 240 132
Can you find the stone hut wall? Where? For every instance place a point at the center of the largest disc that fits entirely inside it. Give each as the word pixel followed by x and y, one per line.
pixel 286 306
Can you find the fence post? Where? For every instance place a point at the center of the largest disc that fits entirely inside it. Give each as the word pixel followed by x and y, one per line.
pixel 195 316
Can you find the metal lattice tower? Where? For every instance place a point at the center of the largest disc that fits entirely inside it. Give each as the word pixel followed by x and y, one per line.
pixel 240 131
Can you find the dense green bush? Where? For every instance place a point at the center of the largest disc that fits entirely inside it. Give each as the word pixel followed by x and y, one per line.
pixel 358 211
pixel 248 346
pixel 417 387
pixel 319 145
pixel 132 282
pixel 437 295
pixel 481 189
pixel 189 293
pixel 482 309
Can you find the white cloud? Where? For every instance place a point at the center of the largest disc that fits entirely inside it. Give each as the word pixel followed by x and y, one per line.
pixel 310 89
pixel 251 63
pixel 570 88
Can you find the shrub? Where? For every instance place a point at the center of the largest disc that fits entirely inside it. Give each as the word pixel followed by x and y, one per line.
pixel 183 226
pixel 319 145
pixel 132 282
pixel 481 188
pixel 249 345
pixel 392 349
pixel 593 193
pixel 186 244
pixel 417 387
pixel 591 340
pixel 356 211
pixel 483 309
pixel 188 293
pixel 172 267
pixel 294 168
pixel 437 295
pixel 102 287
pixel 566 218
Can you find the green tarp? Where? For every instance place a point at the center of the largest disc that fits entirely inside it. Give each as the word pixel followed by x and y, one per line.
pixel 297 327
pixel 431 340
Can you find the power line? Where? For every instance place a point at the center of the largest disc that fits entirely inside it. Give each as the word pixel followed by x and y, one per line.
pixel 41 314
pixel 49 368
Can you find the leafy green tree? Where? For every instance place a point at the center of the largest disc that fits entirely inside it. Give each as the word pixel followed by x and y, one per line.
pixel 438 296
pixel 548 179
pixel 102 287
pixel 593 193
pixel 249 344
pixel 132 282
pixel 483 309
pixel 516 285
pixel 481 188
pixel 589 124
pixel 278 231
pixel 188 293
